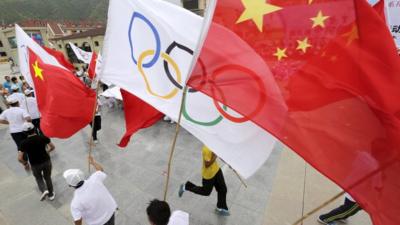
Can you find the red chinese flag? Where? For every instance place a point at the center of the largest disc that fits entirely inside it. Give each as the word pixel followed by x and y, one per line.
pixel 65 103
pixel 320 75
pixel 60 58
pixel 92 66
pixel 138 115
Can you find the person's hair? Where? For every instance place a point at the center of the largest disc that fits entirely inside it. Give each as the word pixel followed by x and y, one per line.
pixel 6 76
pixel 21 78
pixel 13 79
pixel 79 184
pixel 158 212
pixel 14 104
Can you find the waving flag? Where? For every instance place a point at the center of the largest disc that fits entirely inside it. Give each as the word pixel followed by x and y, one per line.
pixel 82 55
pixel 24 42
pixel 93 65
pixel 337 70
pixel 148 51
pixel 65 103
pixel 60 58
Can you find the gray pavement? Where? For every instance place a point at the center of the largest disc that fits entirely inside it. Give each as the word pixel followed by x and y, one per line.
pixel 136 175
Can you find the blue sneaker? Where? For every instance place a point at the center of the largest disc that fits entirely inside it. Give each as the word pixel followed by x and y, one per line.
pixel 181 190
pixel 222 212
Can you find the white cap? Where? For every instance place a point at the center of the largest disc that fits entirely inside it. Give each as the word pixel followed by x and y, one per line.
pixel 12 99
pixel 28 126
pixel 27 91
pixel 73 176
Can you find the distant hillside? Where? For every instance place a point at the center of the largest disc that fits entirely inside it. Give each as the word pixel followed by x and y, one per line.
pixel 17 10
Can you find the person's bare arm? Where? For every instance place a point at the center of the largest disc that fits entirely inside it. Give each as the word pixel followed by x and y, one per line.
pixel 78 222
pixel 21 158
pixel 212 160
pixel 3 121
pixel 97 166
pixel 50 147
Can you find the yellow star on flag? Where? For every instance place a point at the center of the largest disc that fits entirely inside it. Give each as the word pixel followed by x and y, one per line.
pixel 280 53
pixel 319 20
pixel 38 71
pixel 256 10
pixel 303 45
pixel 352 35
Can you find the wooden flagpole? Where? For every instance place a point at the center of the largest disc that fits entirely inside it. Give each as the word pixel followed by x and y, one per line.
pixel 319 207
pixel 93 116
pixel 171 153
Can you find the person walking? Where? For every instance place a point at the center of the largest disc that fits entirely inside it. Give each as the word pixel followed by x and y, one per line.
pixel 212 177
pixel 92 202
pixel 18 95
pixel 349 208
pixel 37 149
pixel 15 118
pixel 159 213
pixel 97 122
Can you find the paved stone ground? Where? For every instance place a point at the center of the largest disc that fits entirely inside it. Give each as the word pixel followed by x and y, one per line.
pixel 136 175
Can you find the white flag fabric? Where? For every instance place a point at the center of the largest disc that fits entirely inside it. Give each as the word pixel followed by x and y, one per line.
pixel 148 51
pixel 82 55
pixel 392 12
pixel 24 42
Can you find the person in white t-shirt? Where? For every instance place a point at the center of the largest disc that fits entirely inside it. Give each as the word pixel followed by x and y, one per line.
pixel 92 202
pixel 15 117
pixel 18 95
pixel 33 110
pixel 159 213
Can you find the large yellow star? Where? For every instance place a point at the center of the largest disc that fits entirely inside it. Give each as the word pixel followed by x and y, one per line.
pixel 351 35
pixel 38 71
pixel 256 10
pixel 319 20
pixel 303 45
pixel 280 53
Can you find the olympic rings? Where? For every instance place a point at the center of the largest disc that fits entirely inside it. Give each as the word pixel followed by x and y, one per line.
pixel 261 100
pixel 170 61
pixel 156 36
pixel 167 60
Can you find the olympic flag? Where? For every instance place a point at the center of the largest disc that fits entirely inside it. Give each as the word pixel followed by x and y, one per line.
pixel 148 50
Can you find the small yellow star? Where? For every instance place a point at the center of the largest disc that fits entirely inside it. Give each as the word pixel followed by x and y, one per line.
pixel 38 71
pixel 351 35
pixel 319 20
pixel 303 45
pixel 256 10
pixel 280 53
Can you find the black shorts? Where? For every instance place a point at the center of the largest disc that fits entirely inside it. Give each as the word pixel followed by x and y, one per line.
pixel 18 138
pixel 97 123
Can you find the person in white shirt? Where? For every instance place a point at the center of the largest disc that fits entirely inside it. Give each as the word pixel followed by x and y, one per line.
pixel 33 110
pixel 159 213
pixel 92 202
pixel 15 117
pixel 21 97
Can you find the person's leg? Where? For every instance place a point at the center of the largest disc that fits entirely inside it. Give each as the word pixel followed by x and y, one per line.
pixel 349 208
pixel 37 173
pixel 47 177
pixel 222 190
pixel 204 190
pixel 111 221
pixel 18 139
pixel 94 134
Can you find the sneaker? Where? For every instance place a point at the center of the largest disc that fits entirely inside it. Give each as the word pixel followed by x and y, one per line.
pixel 323 222
pixel 343 221
pixel 52 197
pixel 222 212
pixel 44 195
pixel 181 190
pixel 95 141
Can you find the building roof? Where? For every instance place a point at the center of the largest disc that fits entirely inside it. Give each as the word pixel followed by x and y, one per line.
pixel 61 24
pixel 55 28
pixel 89 33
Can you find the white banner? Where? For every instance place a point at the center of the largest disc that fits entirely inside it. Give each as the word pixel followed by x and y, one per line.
pixel 82 55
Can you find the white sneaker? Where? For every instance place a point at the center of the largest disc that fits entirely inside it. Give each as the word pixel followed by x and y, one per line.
pixel 95 141
pixel 44 194
pixel 52 197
